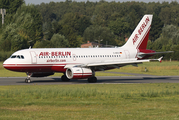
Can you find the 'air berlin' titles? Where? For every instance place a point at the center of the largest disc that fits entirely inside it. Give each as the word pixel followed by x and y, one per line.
pixel 55 54
pixel 141 29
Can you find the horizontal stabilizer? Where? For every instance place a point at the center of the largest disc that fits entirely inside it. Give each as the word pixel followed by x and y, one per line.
pixel 154 53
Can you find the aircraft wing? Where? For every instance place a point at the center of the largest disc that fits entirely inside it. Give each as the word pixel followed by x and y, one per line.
pixel 115 64
pixel 122 63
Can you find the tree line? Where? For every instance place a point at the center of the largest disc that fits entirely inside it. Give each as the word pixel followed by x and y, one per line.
pixel 71 23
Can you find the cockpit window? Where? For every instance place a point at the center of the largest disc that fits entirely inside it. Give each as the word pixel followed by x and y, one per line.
pixel 17 56
pixel 22 57
pixel 14 56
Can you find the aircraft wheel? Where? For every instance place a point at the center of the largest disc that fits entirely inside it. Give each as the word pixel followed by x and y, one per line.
pixel 64 78
pixel 92 80
pixel 27 80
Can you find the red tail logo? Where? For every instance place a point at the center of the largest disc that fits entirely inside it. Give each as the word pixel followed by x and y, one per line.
pixel 141 29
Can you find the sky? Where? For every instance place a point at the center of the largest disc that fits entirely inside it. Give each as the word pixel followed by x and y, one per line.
pixel 47 1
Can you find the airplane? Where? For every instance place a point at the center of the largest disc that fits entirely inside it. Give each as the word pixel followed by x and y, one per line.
pixel 82 63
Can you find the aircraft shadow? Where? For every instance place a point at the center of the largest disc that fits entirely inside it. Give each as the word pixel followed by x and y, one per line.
pixel 105 80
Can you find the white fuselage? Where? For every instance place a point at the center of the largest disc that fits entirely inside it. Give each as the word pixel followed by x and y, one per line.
pixel 54 59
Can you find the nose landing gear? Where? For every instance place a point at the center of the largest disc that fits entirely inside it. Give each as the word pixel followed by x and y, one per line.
pixel 28 80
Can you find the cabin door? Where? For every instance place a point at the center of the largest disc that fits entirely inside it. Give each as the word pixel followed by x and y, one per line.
pixel 33 57
pixel 127 54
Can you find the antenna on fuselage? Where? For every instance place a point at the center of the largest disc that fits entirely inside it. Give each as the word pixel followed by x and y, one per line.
pixel 30 47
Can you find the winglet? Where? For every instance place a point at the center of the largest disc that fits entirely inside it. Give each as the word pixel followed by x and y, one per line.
pixel 160 59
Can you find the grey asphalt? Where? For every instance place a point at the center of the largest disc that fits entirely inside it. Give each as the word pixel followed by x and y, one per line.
pixel 101 80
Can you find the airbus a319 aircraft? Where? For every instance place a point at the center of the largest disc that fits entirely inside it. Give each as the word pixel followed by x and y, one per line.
pixel 81 63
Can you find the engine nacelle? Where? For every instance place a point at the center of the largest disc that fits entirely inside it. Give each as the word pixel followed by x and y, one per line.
pixel 78 73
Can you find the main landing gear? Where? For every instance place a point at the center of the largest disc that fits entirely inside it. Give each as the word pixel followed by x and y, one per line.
pixel 92 80
pixel 28 80
pixel 64 78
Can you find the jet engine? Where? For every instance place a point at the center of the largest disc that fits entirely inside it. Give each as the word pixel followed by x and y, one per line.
pixel 78 73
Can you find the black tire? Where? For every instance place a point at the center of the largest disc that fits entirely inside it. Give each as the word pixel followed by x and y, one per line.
pixel 92 80
pixel 64 78
pixel 27 80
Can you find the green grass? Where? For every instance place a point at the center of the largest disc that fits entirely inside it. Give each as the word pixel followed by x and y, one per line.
pixel 90 101
pixel 165 68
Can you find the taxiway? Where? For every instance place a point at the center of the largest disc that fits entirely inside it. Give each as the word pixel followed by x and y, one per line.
pixel 101 80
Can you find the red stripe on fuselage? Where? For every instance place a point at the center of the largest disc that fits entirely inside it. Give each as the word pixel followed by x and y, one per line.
pixel 35 67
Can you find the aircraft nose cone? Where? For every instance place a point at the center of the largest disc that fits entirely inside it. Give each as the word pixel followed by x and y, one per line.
pixel 5 64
